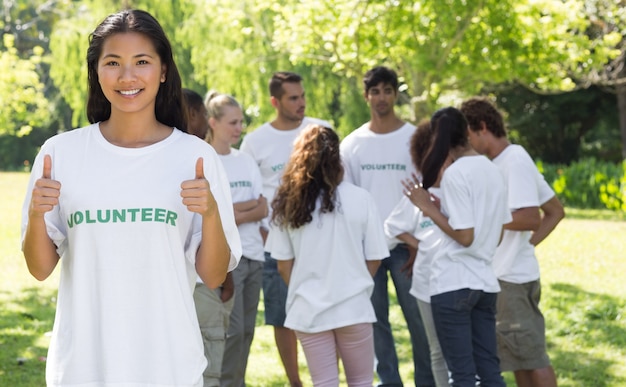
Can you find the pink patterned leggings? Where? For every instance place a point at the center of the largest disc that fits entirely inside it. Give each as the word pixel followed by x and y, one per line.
pixel 354 344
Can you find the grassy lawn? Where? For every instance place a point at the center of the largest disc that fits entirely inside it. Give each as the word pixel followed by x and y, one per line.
pixel 584 301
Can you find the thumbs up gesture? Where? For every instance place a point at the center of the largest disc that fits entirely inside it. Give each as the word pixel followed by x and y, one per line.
pixel 197 194
pixel 46 191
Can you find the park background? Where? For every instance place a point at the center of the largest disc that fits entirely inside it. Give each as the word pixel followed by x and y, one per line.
pixel 555 67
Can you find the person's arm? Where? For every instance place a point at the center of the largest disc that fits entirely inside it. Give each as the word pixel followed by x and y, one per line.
pixel 422 199
pixel 245 206
pixel 256 213
pixel 284 269
pixel 409 239
pixel 213 254
pixel 553 213
pixel 524 219
pixel 411 243
pixel 38 249
pixel 372 267
pixel 228 287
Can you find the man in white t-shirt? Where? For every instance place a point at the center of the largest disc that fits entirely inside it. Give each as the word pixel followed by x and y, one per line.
pixel 270 145
pixel 520 325
pixel 376 157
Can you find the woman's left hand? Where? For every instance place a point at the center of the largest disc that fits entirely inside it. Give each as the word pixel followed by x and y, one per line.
pixel 197 194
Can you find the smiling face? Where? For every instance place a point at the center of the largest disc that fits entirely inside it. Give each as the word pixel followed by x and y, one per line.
pixel 227 129
pixel 130 73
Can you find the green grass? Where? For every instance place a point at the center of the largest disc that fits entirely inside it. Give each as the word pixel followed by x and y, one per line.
pixel 584 301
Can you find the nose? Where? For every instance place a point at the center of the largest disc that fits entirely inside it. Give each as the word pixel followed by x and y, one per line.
pixel 127 74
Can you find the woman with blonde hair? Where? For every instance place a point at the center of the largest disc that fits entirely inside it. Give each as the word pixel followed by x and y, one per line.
pixel 225 119
pixel 328 239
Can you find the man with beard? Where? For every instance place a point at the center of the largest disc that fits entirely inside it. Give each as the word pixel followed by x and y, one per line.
pixel 376 157
pixel 270 145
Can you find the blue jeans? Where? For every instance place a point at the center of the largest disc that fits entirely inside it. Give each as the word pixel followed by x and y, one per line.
pixel 384 345
pixel 274 293
pixel 465 320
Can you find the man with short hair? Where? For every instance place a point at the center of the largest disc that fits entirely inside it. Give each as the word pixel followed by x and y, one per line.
pixel 520 326
pixel 376 157
pixel 270 145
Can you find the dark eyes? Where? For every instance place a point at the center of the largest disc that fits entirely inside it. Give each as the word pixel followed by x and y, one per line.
pixel 115 63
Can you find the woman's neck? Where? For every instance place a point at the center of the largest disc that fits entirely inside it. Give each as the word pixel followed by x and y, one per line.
pixel 221 147
pixel 134 130
pixel 462 151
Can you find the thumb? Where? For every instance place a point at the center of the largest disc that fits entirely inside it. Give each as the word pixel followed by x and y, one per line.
pixel 47 167
pixel 200 168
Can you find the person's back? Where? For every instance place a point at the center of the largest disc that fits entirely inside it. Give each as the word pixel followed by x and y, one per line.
pixel 270 146
pixel 329 283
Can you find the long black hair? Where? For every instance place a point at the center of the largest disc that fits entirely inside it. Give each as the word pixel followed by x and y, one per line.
pixel 169 101
pixel 449 128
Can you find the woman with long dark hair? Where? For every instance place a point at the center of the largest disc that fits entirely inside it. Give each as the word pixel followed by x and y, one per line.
pixel 463 286
pixel 133 209
pixel 328 240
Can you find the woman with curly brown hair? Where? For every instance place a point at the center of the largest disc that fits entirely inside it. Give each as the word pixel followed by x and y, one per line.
pixel 328 239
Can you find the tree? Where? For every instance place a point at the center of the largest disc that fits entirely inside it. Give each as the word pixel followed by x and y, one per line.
pixel 22 99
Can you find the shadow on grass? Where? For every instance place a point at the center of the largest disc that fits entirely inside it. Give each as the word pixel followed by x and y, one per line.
pixel 586 337
pixel 24 319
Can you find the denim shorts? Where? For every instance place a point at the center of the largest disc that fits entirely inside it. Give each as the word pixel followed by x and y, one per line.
pixel 520 327
pixel 274 293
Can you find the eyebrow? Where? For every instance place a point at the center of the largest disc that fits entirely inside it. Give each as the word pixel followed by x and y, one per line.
pixel 112 55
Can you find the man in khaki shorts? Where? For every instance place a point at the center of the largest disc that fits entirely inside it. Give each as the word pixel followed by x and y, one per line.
pixel 536 211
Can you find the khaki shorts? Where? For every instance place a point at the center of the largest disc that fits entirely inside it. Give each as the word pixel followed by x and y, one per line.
pixel 520 327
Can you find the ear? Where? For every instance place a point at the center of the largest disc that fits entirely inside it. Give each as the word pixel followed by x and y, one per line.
pixel 275 102
pixel 483 127
pixel 212 122
pixel 163 72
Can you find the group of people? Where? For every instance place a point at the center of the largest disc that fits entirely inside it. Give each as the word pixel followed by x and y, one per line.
pixel 166 238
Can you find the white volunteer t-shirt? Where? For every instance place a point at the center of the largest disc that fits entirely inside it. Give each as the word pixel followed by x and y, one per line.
pixel 330 286
pixel 270 148
pixel 245 184
pixel 406 217
pixel 378 163
pixel 473 196
pixel 515 259
pixel 125 313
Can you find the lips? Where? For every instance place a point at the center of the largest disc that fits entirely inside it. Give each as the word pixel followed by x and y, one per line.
pixel 129 92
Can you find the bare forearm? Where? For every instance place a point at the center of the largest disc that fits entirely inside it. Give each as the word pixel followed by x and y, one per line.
pixel 253 215
pixel 409 239
pixel 464 237
pixel 246 206
pixel 372 267
pixel 213 254
pixel 524 219
pixel 39 250
pixel 553 213
pixel 284 269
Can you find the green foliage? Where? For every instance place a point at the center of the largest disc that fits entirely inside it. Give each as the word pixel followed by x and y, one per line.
pixel 588 183
pixel 583 300
pixel 561 128
pixel 22 99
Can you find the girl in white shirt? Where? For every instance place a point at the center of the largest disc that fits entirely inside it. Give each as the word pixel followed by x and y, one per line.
pixel 463 286
pixel 225 118
pixel 132 209
pixel 328 240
